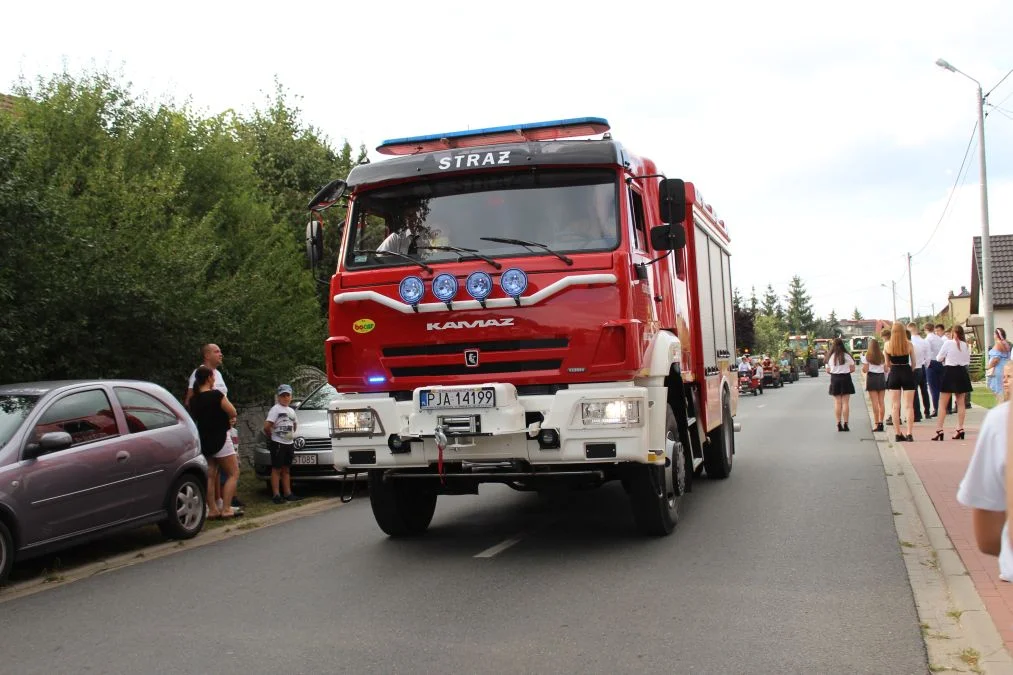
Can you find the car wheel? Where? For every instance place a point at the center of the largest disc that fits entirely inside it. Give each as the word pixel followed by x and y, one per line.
pixel 186 506
pixel 6 552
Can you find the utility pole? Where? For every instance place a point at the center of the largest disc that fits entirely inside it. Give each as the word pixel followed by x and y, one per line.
pixel 986 240
pixel 910 288
pixel 893 287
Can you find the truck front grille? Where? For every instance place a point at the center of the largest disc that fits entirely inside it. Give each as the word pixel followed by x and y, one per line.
pixel 488 346
pixel 482 368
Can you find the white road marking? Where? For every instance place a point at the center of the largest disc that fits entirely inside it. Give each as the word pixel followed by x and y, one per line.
pixel 498 548
pixel 762 405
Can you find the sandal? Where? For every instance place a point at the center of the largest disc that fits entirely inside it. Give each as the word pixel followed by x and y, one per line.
pixel 235 513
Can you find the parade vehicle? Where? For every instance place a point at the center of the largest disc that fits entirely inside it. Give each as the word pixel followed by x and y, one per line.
pixel 771 374
pixel 857 346
pixel 749 383
pixel 821 346
pixel 805 359
pixel 522 306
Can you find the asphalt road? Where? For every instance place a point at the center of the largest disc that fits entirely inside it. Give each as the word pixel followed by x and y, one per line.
pixel 792 565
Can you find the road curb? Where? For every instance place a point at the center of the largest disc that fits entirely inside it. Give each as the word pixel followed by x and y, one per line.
pixel 953 617
pixel 161 550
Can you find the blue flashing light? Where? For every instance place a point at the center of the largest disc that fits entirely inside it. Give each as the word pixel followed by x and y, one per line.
pixel 445 287
pixel 514 282
pixel 531 131
pixel 478 285
pixel 411 289
pixel 377 379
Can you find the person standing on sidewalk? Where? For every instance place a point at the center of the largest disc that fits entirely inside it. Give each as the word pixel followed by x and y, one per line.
pixel 955 357
pixel 875 381
pixel 921 351
pixel 840 365
pixel 900 356
pixel 988 489
pixel 934 370
pixel 998 357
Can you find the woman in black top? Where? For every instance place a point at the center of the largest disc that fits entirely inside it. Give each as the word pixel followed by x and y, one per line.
pixel 212 412
pixel 900 354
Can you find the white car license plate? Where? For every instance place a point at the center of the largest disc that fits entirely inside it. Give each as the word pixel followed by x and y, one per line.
pixel 304 459
pixel 445 399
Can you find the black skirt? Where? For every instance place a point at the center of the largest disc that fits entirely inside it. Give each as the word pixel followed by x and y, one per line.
pixel 901 377
pixel 841 384
pixel 875 382
pixel 955 380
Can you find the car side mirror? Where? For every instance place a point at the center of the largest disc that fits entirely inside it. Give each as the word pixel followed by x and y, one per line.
pixel 668 237
pixel 672 200
pixel 50 442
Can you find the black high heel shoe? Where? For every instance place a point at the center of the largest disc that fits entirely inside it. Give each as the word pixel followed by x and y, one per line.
pixel 909 438
pixel 840 427
pixel 846 427
pixel 898 438
pixel 938 436
pixel 959 435
pixel 879 427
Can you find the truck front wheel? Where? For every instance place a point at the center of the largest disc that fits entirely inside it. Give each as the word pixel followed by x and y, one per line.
pixel 401 507
pixel 717 454
pixel 656 491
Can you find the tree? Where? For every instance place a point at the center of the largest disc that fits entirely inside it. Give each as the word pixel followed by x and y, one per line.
pixel 769 334
pixel 744 335
pixel 130 234
pixel 799 316
pixel 753 304
pixel 771 303
pixel 856 315
pixel 834 324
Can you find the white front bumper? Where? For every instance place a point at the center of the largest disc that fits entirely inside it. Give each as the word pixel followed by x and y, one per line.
pixel 503 433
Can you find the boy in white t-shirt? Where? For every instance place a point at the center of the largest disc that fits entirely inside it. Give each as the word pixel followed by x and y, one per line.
pixel 279 427
pixel 984 489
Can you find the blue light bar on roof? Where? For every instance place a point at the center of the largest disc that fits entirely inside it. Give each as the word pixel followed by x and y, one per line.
pixel 533 131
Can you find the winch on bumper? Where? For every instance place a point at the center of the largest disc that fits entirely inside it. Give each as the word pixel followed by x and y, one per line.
pixel 489 423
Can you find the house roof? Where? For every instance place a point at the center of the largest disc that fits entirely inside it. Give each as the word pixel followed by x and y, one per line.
pixel 1002 272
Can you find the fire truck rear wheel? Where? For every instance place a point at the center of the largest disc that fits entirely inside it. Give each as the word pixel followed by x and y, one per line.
pixel 401 507
pixel 717 454
pixel 656 491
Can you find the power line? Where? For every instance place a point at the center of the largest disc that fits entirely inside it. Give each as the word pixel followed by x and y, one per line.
pixel 1005 113
pixel 953 190
pixel 999 82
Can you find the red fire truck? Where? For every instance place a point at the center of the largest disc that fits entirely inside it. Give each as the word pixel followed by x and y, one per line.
pixel 522 306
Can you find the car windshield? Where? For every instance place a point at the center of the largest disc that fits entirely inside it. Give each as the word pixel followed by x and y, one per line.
pixel 568 211
pixel 319 399
pixel 13 410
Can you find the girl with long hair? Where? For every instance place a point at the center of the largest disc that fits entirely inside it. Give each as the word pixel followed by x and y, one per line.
pixel 998 357
pixel 873 365
pixel 955 357
pixel 840 365
pixel 213 412
pixel 900 358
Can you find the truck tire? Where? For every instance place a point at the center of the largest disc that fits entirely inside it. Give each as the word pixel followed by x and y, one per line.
pixel 656 492
pixel 717 454
pixel 401 507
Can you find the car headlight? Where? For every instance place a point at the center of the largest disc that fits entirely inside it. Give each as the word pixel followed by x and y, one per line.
pixel 618 412
pixel 355 422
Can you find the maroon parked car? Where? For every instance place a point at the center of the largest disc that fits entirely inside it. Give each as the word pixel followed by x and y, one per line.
pixel 79 460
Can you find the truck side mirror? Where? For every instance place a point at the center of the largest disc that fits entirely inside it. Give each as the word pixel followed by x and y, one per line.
pixel 314 243
pixel 672 200
pixel 327 195
pixel 668 237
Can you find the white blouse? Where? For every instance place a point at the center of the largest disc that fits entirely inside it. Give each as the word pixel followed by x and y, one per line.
pixel 873 368
pixel 954 353
pixel 842 368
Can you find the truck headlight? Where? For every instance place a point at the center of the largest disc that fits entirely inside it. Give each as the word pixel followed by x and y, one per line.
pixel 355 422
pixel 620 412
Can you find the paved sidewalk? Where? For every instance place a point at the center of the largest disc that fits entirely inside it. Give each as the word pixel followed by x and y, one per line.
pixel 940 466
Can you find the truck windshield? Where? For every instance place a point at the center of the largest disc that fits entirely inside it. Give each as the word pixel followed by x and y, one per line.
pixel 570 210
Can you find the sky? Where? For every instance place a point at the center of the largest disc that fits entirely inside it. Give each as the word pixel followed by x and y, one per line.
pixel 823 134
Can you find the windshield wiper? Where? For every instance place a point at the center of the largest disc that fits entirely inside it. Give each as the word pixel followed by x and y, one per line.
pixel 410 259
pixel 528 245
pixel 468 251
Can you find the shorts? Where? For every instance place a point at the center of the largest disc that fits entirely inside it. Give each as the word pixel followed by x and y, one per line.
pixel 282 454
pixel 901 377
pixel 227 450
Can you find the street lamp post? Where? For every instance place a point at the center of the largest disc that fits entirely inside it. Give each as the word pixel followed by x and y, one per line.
pixel 893 294
pixel 986 242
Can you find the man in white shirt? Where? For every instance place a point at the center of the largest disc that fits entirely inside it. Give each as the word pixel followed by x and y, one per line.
pixel 984 489
pixel 212 359
pixel 934 372
pixel 918 365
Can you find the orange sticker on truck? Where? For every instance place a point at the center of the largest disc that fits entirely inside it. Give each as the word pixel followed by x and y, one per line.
pixel 363 325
